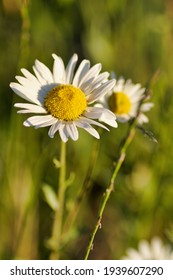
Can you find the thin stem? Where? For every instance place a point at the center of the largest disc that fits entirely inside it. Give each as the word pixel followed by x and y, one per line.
pixel 106 195
pixel 122 154
pixel 58 218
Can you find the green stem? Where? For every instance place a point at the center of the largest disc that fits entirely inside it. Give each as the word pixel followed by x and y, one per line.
pixel 58 218
pixel 106 195
pixel 122 154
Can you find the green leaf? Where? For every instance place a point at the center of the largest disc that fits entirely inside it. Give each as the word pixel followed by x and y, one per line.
pixel 70 180
pixel 50 196
pixel 56 163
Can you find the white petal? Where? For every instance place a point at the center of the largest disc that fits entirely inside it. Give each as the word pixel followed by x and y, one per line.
pixel 25 93
pixel 145 250
pixel 63 133
pixel 30 76
pixel 133 255
pixel 44 71
pixel 58 70
pixel 30 108
pixel 100 91
pixel 108 119
pixel 142 118
pixel 87 84
pixel 123 118
pixel 119 85
pixel 135 92
pixel 90 75
pixel 88 128
pixel 141 91
pixel 102 78
pixel 96 112
pixel 28 84
pixel 81 71
pixel 146 106
pixel 134 89
pixel 39 76
pixel 40 121
pixel 128 82
pixel 103 114
pixel 135 99
pixel 166 252
pixel 53 129
pixel 157 248
pixel 89 121
pixel 72 131
pixel 70 68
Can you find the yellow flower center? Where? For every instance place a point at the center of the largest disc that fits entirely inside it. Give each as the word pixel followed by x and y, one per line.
pixel 65 102
pixel 119 103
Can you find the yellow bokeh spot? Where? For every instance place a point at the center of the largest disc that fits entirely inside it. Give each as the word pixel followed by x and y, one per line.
pixel 119 103
pixel 65 102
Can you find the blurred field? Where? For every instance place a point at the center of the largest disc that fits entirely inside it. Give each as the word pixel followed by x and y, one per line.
pixel 133 38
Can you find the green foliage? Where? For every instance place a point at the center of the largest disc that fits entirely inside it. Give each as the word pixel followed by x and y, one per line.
pixel 133 38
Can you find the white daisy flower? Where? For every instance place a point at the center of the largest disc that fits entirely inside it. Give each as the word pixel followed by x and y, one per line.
pixel 155 250
pixel 64 98
pixel 123 100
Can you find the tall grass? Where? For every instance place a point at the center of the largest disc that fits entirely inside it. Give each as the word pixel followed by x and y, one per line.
pixel 135 40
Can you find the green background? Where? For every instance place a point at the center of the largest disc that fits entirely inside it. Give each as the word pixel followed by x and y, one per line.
pixel 133 38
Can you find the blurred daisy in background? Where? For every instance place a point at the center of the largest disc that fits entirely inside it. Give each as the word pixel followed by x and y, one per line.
pixel 155 250
pixel 63 99
pixel 123 100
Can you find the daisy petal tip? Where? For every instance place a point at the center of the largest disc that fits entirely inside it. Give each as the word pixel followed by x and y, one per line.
pixel 75 56
pixel 26 123
pixel 36 61
pixel 51 136
pixel 115 124
pixel 99 65
pixel 11 85
pixel 54 56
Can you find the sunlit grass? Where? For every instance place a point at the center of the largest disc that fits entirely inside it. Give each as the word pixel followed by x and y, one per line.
pixel 133 40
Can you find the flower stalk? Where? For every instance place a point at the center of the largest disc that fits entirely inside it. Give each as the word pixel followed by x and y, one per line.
pixel 55 241
pixel 121 157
